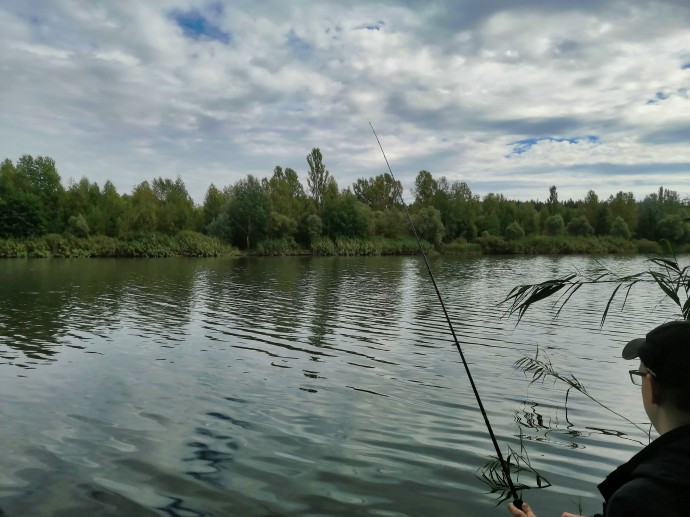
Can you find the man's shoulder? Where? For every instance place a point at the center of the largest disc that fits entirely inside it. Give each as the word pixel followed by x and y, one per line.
pixel 646 496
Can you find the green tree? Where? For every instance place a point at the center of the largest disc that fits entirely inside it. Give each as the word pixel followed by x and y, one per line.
pixel 552 203
pixel 280 226
pixel 648 216
pixel 619 228
pixel 673 228
pixel 463 209
pixel 8 174
pixel 319 180
pixel 554 225
pixel 314 227
pixel 489 221
pixel 21 214
pixel 247 212
pixel 390 223
pixel 82 198
pixel 623 205
pixel 579 226
pixel 346 217
pixel 111 211
pixel 221 227
pixel 528 217
pixel 589 208
pixel 514 231
pixel 427 221
pixel 214 203
pixel 39 176
pixel 596 212
pixel 425 188
pixel 77 226
pixel 142 210
pixel 175 205
pixel 286 193
pixel 379 193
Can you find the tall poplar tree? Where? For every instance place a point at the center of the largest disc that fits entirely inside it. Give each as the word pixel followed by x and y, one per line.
pixel 319 180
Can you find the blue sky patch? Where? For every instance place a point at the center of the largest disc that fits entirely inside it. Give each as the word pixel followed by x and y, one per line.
pixel 196 26
pixel 299 47
pixel 522 146
pixel 659 96
pixel 685 66
pixel 372 26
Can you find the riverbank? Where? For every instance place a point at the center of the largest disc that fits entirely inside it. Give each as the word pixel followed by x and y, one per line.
pixel 186 244
pixel 193 244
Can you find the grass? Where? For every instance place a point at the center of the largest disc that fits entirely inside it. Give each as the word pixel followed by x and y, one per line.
pixel 186 243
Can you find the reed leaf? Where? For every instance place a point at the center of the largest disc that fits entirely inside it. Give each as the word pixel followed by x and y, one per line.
pixel 663 272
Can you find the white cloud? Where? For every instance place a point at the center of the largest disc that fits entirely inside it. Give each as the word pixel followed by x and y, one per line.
pixel 119 91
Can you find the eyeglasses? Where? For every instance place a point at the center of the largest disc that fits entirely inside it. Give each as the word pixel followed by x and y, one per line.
pixel 636 376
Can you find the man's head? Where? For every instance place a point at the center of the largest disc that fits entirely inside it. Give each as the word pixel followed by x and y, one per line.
pixel 665 351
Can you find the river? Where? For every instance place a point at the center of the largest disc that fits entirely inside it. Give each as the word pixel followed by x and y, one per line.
pixel 303 386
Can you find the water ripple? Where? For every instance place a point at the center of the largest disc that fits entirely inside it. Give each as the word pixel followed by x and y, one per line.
pixel 300 386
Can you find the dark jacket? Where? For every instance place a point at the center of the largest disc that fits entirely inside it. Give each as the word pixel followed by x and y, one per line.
pixel 656 481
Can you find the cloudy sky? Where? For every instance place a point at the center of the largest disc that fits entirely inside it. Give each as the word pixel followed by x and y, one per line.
pixel 509 96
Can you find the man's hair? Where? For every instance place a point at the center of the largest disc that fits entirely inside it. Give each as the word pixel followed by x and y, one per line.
pixel 679 398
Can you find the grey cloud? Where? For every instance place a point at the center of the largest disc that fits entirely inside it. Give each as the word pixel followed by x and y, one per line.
pixel 131 98
pixel 679 170
pixel 676 134
pixel 536 127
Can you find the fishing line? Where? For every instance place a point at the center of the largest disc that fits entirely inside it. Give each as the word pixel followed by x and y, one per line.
pixel 506 471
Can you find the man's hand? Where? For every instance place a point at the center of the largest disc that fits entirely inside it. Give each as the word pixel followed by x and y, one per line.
pixel 525 512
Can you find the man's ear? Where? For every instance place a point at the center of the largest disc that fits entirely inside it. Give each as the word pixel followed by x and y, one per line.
pixel 656 389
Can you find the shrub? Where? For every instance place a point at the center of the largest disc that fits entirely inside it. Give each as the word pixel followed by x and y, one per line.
pixel 554 225
pixel 514 231
pixel 494 244
pixel 285 246
pixel 461 246
pixel 579 226
pixel 77 226
pixel 619 228
pixel 322 246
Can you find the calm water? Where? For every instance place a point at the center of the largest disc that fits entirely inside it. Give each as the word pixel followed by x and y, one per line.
pixel 300 386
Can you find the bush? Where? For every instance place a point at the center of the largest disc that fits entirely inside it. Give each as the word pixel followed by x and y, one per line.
pixel 461 246
pixel 193 244
pixel 514 231
pixel 358 246
pixel 77 226
pixel 619 228
pixel 286 246
pixel 12 248
pixel 314 228
pixel 493 244
pixel 554 225
pixel 404 246
pixel 322 246
pixel 579 226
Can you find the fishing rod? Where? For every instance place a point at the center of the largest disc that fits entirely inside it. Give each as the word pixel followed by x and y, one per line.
pixel 504 466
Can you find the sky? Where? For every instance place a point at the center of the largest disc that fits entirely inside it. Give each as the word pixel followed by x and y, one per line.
pixel 509 96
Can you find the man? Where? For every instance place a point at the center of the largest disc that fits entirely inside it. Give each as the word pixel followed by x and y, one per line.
pixel 656 481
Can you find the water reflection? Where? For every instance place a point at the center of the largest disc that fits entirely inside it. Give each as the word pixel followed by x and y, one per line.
pixel 305 386
pixel 45 304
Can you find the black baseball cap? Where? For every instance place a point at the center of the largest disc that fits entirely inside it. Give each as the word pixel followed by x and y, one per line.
pixel 666 351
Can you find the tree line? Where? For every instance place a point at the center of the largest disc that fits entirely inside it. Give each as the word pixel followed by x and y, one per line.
pixel 278 209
